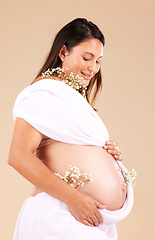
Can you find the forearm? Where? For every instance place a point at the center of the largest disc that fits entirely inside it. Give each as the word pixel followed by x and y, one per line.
pixel 36 172
pixel 83 207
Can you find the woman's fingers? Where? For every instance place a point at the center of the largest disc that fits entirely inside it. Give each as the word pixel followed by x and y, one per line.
pixel 113 149
pixel 86 209
pixel 88 223
pixel 111 146
pixel 111 142
pixel 94 220
pixel 99 205
pixel 99 217
pixel 97 212
pixel 117 157
pixel 114 152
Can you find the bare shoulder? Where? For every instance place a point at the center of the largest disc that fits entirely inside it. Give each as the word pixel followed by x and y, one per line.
pixel 37 79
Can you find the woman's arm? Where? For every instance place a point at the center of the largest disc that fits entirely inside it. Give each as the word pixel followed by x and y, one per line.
pixel 25 141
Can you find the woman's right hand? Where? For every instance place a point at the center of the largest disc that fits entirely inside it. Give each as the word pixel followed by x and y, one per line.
pixel 85 209
pixel 24 142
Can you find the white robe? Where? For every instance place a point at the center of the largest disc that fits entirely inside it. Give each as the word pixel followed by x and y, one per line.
pixel 61 113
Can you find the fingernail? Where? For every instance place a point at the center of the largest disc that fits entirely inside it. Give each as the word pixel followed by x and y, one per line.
pixel 103 206
pixel 109 150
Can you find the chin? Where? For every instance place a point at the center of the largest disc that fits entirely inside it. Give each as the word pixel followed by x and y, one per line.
pixel 86 83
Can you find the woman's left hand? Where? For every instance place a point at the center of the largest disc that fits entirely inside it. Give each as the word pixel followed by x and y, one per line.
pixel 113 149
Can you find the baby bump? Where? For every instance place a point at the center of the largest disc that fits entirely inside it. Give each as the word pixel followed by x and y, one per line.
pixel 107 185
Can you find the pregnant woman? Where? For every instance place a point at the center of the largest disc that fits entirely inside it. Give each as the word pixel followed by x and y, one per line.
pixel 62 147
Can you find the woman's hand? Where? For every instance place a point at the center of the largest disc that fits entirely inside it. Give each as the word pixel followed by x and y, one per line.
pixel 85 209
pixel 113 149
pixel 25 141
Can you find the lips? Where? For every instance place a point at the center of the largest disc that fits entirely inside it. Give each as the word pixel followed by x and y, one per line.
pixel 86 76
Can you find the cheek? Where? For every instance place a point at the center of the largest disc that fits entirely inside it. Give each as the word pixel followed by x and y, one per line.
pixel 77 64
pixel 98 68
pixel 77 61
pixel 71 62
pixel 84 63
pixel 81 64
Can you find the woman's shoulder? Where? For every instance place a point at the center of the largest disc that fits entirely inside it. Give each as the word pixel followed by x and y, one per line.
pixel 37 79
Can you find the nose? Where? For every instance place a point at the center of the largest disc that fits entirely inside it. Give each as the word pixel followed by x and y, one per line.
pixel 93 67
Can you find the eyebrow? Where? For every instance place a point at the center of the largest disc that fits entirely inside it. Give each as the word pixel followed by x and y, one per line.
pixel 92 54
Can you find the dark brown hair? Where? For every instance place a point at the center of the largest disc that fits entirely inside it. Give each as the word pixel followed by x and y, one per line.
pixel 71 35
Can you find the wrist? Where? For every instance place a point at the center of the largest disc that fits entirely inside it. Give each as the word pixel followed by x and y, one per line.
pixel 72 196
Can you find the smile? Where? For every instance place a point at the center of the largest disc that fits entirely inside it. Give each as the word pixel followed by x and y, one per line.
pixel 86 76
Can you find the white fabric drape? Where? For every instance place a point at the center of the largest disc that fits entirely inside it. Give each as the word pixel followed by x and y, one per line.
pixel 61 113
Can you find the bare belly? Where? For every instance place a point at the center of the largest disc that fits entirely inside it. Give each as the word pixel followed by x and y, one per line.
pixel 107 186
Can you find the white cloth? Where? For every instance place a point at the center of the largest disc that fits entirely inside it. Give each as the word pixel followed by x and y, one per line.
pixel 61 113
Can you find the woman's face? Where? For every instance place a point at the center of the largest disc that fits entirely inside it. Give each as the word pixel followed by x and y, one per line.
pixel 84 59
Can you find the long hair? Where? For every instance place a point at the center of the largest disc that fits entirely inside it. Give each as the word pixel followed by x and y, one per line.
pixel 71 35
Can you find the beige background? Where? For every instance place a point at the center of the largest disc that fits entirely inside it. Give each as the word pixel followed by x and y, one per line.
pixel 125 106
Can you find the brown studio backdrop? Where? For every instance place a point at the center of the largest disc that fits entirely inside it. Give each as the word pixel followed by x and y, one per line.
pixel 125 105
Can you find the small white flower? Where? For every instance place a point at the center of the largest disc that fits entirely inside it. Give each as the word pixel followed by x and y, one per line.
pixel 72 185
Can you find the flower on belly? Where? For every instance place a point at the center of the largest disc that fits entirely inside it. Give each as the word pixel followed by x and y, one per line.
pixel 75 178
pixel 129 176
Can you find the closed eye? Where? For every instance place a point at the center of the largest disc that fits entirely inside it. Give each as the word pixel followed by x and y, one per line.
pixel 86 59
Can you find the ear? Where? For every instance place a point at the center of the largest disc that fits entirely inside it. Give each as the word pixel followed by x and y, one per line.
pixel 63 53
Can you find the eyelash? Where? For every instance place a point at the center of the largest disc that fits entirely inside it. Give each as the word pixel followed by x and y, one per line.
pixel 86 59
pixel 89 59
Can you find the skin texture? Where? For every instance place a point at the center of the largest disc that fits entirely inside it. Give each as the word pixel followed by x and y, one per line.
pixel 84 58
pixel 107 186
